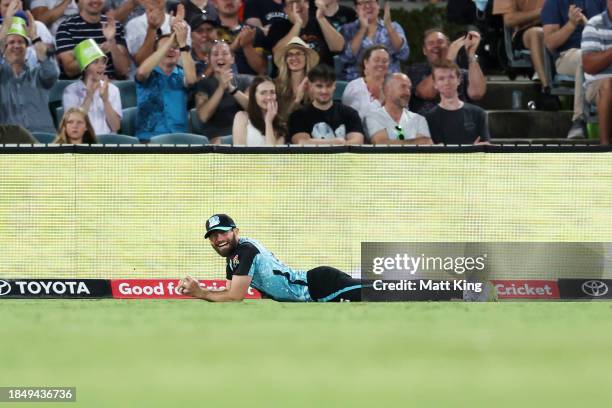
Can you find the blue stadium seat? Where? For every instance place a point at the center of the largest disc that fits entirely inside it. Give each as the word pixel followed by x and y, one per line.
pixel 59 114
pixel 114 138
pixel 516 58
pixel 197 126
pixel 559 84
pixel 44 137
pixel 179 138
pixel 55 97
pixel 340 85
pixel 128 121
pixel 127 89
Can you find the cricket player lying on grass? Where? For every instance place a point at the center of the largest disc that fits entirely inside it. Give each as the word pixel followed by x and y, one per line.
pixel 250 264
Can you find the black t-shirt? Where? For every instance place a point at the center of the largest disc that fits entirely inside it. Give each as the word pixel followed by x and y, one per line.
pixel 336 122
pixel 311 34
pixel 265 10
pixel 461 126
pixel 240 261
pixel 228 35
pixel 220 123
pixel 192 11
pixel 343 16
pixel 417 73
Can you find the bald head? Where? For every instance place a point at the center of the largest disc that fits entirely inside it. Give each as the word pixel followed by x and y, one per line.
pixel 397 88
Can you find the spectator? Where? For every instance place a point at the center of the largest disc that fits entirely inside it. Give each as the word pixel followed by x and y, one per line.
pixel 161 86
pixel 53 12
pixel 260 124
pixel 596 50
pixel 94 93
pixel 242 39
pixel 261 13
pixel 24 91
pixel 563 22
pixel 75 128
pixel 293 62
pixel 370 30
pixel 365 93
pixel 337 14
pixel 319 34
pixel 454 121
pixel 91 23
pixel 394 123
pixel 198 8
pixel 524 17
pixel 324 121
pixel 437 48
pixel 13 134
pixel 203 36
pixel 142 32
pixel 220 97
pixel 125 10
pixel 11 8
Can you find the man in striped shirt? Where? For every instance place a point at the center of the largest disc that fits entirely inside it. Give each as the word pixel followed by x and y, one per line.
pixel 596 49
pixel 91 23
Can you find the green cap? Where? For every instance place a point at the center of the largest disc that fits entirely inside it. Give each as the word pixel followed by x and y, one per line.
pixel 18 27
pixel 86 52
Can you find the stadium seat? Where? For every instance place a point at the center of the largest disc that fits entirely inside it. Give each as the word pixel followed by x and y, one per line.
pixel 44 137
pixel 179 138
pixel 559 84
pixel 226 140
pixel 516 58
pixel 128 121
pixel 55 97
pixel 59 114
pixel 340 85
pixel 127 89
pixel 197 127
pixel 114 138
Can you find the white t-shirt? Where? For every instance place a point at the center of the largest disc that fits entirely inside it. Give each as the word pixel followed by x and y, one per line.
pixel 357 96
pixel 410 123
pixel 74 95
pixel 70 10
pixel 136 31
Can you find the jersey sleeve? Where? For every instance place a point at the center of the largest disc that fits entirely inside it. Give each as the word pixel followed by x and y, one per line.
pixel 241 263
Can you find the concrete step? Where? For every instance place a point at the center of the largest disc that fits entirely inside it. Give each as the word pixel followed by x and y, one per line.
pixel 525 124
pixel 499 94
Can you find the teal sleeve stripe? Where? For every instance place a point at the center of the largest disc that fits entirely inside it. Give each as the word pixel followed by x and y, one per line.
pixel 341 291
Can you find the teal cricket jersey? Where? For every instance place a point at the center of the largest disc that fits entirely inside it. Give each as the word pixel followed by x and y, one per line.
pixel 270 276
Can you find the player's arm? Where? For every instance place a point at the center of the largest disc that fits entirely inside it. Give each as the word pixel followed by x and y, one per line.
pixel 235 293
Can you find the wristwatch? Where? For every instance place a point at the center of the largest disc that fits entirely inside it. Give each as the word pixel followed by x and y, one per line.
pixel 474 58
pixel 185 49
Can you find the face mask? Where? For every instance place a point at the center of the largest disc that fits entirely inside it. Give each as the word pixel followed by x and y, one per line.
pixel 481 4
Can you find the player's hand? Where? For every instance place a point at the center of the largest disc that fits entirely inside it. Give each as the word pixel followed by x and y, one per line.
pixel 189 287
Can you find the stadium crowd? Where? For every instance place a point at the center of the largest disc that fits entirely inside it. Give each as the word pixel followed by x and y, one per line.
pixel 269 72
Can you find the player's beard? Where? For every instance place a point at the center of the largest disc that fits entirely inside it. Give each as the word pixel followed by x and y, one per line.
pixel 225 251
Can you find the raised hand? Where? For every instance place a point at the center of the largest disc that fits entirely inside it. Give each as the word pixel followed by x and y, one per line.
pixel 104 88
pixel 301 90
pixel 226 78
pixel 363 18
pixel 454 48
pixel 155 17
pixel 109 29
pixel 320 4
pixel 271 111
pixel 32 32
pixel 294 16
pixel 91 86
pixel 13 7
pixel 387 14
pixel 471 43
pixel 247 36
pixel 180 28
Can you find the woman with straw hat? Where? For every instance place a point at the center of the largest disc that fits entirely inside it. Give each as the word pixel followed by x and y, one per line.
pixel 293 62
pixel 94 93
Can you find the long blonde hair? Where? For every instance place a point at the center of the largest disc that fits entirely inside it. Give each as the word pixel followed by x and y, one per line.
pixel 284 87
pixel 89 137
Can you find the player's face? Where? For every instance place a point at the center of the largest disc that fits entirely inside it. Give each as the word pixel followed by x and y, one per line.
pixel 224 242
pixel 435 47
pixel 264 94
pixel 446 82
pixel 322 92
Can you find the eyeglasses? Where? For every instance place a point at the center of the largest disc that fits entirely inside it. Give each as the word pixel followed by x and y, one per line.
pixel 400 132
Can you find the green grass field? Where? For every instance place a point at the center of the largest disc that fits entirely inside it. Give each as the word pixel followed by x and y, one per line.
pixel 262 353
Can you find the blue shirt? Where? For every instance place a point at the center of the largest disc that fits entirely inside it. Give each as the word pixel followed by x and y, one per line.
pixel 351 61
pixel 556 12
pixel 270 276
pixel 162 104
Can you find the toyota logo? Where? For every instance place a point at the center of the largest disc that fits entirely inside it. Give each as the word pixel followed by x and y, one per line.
pixel 595 288
pixel 5 287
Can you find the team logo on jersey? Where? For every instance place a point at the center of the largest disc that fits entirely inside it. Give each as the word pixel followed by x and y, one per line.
pixel 235 261
pixel 213 221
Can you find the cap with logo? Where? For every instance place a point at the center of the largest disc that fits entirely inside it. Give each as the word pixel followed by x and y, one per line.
pixel 200 19
pixel 86 52
pixel 219 222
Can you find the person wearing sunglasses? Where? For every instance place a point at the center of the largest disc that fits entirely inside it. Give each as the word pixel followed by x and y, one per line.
pixel 394 123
